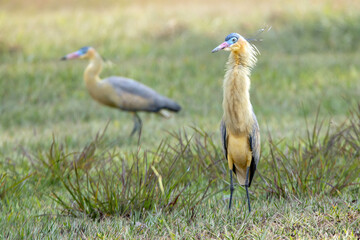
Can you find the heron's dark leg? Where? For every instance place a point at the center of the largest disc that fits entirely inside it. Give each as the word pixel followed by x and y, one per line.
pixel 140 128
pixel 137 126
pixel 231 188
pixel 247 186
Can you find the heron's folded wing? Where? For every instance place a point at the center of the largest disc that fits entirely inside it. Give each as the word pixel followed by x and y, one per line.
pixel 131 86
pixel 254 140
pixel 223 137
pixel 132 95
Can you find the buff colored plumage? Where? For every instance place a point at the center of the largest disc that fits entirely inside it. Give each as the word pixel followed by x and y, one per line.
pixel 239 128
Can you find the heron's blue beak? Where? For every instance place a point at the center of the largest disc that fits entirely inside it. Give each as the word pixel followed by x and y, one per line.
pixel 220 47
pixel 71 56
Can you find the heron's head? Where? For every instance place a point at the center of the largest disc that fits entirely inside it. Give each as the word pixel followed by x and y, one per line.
pixel 233 42
pixel 82 53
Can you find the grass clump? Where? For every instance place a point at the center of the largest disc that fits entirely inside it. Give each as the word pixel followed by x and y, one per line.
pixel 184 171
pixel 305 189
pixel 99 184
pixel 317 164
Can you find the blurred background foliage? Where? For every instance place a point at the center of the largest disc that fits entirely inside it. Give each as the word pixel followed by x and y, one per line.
pixel 309 58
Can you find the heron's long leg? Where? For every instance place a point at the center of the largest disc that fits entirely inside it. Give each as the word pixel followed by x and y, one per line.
pixel 231 187
pixel 247 186
pixel 140 127
pixel 137 126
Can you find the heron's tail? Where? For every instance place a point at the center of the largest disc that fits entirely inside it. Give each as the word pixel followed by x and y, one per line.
pixel 170 105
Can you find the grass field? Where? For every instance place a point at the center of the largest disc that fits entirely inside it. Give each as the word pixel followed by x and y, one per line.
pixel 174 185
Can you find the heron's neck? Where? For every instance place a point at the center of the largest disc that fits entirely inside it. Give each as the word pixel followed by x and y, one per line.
pixel 92 71
pixel 236 100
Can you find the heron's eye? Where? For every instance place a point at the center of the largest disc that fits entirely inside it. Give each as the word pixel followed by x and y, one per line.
pixel 234 40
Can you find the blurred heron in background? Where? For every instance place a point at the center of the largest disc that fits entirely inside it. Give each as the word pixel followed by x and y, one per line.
pixel 121 93
pixel 240 131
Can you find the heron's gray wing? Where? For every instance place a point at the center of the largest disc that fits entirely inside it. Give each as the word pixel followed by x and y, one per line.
pixel 131 86
pixel 254 140
pixel 134 96
pixel 137 96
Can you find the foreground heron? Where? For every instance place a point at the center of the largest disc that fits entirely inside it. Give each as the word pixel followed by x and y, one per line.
pixel 239 128
pixel 119 92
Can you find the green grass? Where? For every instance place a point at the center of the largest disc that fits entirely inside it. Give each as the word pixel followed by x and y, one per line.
pixel 56 175
pixel 300 218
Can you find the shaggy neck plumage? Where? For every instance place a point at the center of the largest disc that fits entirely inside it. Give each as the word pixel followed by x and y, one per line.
pixel 92 71
pixel 236 102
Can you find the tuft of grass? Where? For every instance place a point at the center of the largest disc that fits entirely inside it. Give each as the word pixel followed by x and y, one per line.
pixel 176 175
pixel 178 190
pixel 317 164
pixel 185 170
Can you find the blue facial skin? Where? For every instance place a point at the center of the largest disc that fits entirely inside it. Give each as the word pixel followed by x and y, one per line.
pixel 83 50
pixel 232 38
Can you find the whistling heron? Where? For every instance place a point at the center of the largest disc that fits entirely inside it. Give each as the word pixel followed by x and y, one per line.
pixel 240 131
pixel 119 92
